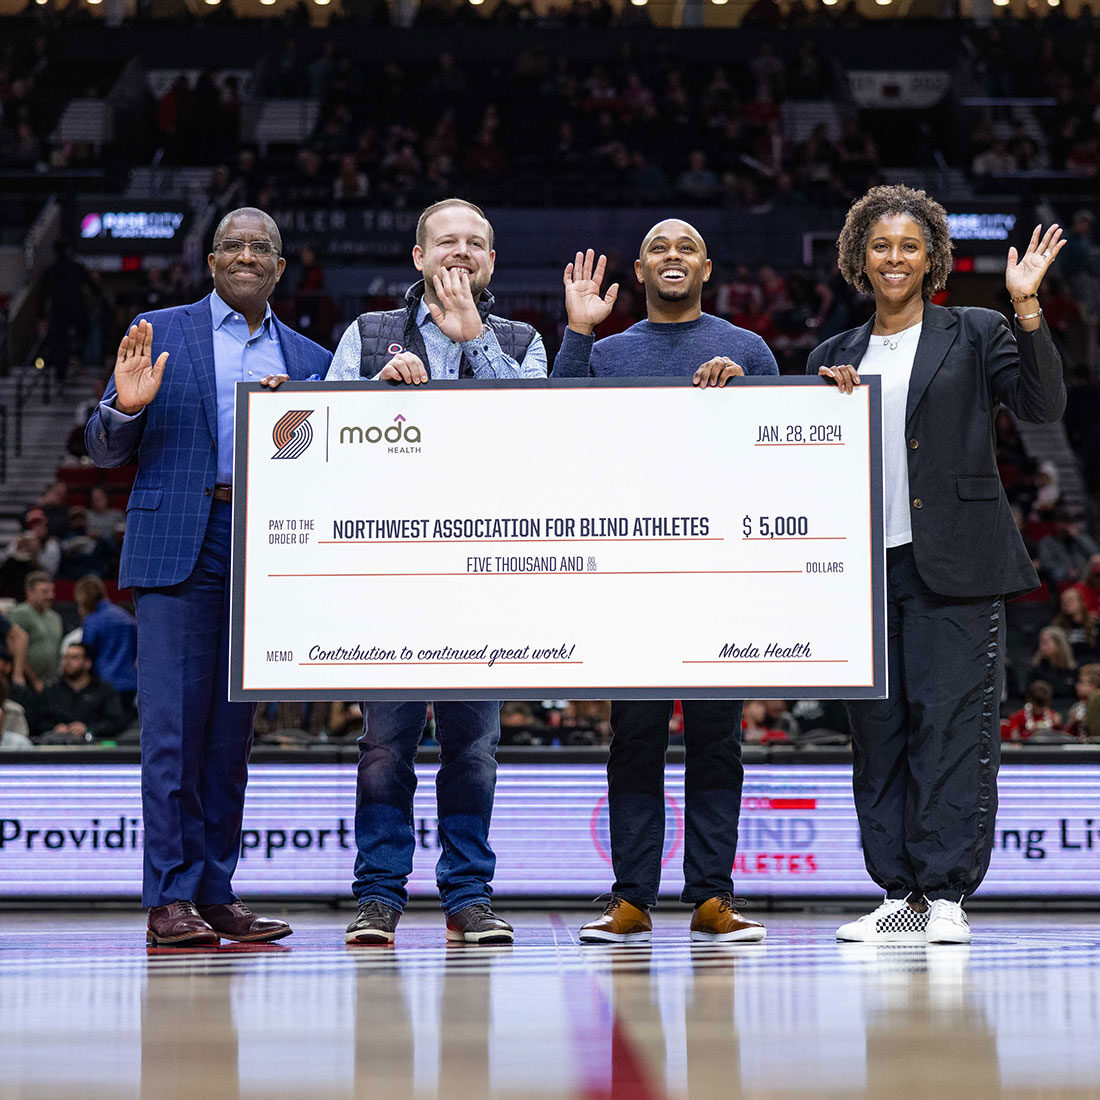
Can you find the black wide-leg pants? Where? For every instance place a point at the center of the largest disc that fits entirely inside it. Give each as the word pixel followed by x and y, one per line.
pixel 926 757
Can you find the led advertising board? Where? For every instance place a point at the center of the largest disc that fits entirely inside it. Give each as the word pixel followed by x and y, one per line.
pixel 76 830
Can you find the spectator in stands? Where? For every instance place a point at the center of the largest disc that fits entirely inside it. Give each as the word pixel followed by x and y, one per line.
pixel 20 560
pixel 350 184
pixel 778 717
pixel 1081 266
pixel 1083 720
pixel 1081 630
pixel 1035 716
pixel 1064 554
pixel 79 707
pixel 1053 662
pixel 14 732
pixel 48 553
pixel 1089 586
pixel 81 552
pixel 37 617
pixel 64 308
pixel 54 503
pixel 997 160
pixel 111 634
pixel 697 183
pixel 756 729
pixel 103 521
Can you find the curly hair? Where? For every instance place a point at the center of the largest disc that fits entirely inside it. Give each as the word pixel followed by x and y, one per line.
pixel 881 202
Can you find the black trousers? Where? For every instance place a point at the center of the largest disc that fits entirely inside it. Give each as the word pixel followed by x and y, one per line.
pixel 926 758
pixel 714 776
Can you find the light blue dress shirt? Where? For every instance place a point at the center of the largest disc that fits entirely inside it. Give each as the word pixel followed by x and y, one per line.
pixel 445 355
pixel 239 356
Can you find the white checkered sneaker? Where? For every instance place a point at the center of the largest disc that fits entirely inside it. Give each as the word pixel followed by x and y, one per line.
pixel 947 922
pixel 894 921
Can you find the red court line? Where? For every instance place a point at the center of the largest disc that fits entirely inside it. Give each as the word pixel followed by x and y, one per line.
pixel 794 803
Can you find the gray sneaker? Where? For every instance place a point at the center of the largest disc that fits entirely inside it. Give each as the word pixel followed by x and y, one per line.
pixel 479 924
pixel 374 923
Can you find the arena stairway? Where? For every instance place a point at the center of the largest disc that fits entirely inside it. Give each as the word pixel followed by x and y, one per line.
pixel 46 430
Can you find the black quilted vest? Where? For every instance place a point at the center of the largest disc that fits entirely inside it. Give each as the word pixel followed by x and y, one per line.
pixel 385 334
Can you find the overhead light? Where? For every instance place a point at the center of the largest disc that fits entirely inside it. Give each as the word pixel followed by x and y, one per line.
pixel 639 3
pixel 1002 3
pixel 477 3
pixel 267 3
pixel 1054 3
pixel 213 3
pixel 95 2
pixel 884 3
pixel 321 3
pixel 719 1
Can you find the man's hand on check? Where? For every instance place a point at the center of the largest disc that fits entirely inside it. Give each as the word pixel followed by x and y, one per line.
pixel 845 376
pixel 716 372
pixel 274 381
pixel 404 367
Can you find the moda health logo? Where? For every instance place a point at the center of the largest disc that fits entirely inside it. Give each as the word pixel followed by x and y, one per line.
pixel 399 432
pixel 293 433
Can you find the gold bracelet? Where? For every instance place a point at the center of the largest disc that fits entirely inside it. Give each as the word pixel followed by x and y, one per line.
pixel 1021 297
pixel 1029 316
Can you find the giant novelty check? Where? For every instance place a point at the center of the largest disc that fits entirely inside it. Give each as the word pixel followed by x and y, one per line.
pixel 558 539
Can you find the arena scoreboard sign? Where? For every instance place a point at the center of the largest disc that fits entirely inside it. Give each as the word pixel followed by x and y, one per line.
pixel 68 830
pixel 113 224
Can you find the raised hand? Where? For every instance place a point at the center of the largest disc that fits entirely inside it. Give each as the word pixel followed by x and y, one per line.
pixel 137 377
pixel 584 307
pixel 458 318
pixel 1023 274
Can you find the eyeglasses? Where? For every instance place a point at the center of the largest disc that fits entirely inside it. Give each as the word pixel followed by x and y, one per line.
pixel 258 248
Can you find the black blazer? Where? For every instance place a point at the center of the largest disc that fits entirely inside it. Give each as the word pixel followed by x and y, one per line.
pixel 968 363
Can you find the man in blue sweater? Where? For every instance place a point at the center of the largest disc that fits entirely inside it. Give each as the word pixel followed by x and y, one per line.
pixel 676 339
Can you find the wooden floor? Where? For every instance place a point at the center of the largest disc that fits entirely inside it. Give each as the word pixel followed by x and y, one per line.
pixel 87 1011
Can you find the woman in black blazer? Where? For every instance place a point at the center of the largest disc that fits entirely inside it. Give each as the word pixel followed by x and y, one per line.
pixel 925 758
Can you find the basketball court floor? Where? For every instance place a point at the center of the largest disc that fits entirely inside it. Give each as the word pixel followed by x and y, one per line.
pixel 87 1011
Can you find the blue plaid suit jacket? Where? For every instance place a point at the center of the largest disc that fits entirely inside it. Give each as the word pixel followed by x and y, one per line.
pixel 175 444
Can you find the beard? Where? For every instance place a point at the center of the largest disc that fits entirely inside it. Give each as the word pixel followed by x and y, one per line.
pixel 674 295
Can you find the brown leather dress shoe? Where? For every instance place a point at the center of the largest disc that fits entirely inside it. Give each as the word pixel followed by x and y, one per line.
pixel 237 922
pixel 179 925
pixel 717 921
pixel 621 923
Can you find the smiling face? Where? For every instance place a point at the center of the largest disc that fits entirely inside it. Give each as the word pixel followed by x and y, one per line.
pixel 673 264
pixel 456 239
pixel 896 260
pixel 245 279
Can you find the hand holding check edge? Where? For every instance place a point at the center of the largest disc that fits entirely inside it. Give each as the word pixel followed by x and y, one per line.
pixel 1023 275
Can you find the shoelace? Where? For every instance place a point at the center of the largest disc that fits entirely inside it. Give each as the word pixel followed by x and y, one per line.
pixel 942 909
pixel 188 907
pixel 613 902
pixel 373 909
pixel 728 903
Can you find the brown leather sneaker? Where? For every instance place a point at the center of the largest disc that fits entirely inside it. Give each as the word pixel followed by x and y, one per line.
pixel 717 921
pixel 621 923
pixel 237 922
pixel 179 925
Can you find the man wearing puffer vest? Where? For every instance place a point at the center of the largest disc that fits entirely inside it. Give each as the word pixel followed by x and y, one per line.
pixel 445 331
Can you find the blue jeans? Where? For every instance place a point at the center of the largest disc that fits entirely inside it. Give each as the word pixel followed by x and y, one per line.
pixel 468 734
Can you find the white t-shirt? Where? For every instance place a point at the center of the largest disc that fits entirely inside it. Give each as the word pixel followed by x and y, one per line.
pixel 891 357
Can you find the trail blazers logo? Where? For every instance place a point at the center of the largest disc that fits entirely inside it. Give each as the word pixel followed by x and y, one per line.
pixel 293 433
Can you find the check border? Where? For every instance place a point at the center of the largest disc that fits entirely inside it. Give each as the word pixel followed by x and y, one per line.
pixel 239 693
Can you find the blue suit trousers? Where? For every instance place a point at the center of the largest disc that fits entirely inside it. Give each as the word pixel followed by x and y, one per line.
pixel 194 743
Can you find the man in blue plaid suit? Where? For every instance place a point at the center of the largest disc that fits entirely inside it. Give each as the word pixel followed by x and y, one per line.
pixel 170 407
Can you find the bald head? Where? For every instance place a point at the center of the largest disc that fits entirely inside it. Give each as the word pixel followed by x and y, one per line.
pixel 672 229
pixel 251 213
